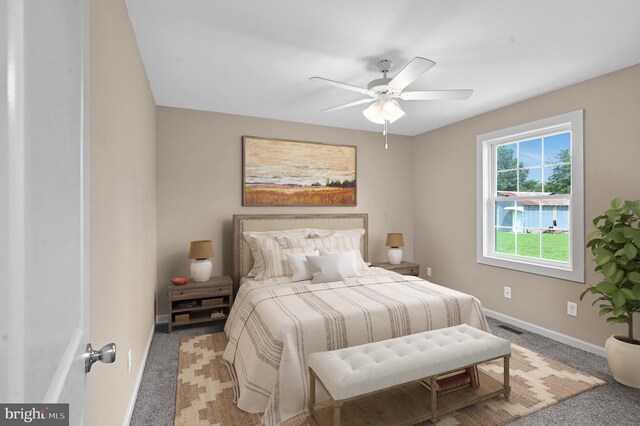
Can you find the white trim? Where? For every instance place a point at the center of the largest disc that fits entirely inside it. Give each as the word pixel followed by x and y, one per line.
pixel 574 269
pixel 14 168
pixel 162 319
pixel 85 196
pixel 553 335
pixel 134 395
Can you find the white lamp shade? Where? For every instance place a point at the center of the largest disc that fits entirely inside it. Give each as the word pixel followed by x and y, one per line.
pixel 388 110
pixel 391 111
pixel 373 113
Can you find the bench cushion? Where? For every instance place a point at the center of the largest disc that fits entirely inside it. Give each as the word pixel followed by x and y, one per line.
pixel 374 366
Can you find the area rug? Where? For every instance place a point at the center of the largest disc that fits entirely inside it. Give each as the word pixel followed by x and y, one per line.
pixel 205 395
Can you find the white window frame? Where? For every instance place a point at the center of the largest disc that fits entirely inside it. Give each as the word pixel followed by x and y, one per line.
pixel 485 143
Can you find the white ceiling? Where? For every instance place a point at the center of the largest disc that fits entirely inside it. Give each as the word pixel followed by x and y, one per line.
pixel 254 57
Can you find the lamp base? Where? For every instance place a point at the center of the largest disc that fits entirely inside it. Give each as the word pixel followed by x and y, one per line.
pixel 201 270
pixel 395 255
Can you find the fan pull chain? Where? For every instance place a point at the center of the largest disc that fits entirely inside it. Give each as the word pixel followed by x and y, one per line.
pixel 386 136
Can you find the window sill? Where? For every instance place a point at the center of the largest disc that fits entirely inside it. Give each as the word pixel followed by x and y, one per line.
pixel 523 266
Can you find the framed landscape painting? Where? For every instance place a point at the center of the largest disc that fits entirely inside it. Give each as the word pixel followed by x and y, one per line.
pixel 292 173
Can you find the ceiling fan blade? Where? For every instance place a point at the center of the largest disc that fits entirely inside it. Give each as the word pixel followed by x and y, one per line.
pixel 410 72
pixel 341 85
pixel 434 95
pixel 349 105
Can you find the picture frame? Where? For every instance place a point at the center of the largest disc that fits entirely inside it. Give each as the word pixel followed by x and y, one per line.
pixel 280 172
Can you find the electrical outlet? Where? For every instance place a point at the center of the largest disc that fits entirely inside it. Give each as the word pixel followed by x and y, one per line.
pixel 129 362
pixel 507 292
pixel 428 271
pixel 572 309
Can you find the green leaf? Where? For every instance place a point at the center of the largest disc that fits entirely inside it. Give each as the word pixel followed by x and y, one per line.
pixel 609 269
pixel 619 311
pixel 593 290
pixel 612 215
pixel 617 235
pixel 615 203
pixel 628 294
pixel 604 258
pixel 634 277
pixel 617 276
pixel 636 291
pixel 594 242
pixel 619 253
pixel 631 233
pixel 634 206
pixel 594 234
pixel 612 319
pixel 630 250
pixel 606 287
pixel 618 299
pixel 605 311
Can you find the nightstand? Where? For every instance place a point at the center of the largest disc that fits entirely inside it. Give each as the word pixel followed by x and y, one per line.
pixel 404 268
pixel 196 303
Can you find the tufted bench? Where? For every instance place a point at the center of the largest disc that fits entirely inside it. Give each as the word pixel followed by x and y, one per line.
pixel 359 371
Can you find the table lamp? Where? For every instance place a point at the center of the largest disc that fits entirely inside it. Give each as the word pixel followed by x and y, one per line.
pixel 394 242
pixel 201 251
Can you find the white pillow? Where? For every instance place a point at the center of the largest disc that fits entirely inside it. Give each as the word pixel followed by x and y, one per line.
pixel 354 257
pixel 276 264
pixel 254 238
pixel 300 265
pixel 336 243
pixel 334 267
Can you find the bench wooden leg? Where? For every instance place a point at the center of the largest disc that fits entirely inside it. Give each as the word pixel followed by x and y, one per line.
pixel 336 413
pixel 433 383
pixel 507 387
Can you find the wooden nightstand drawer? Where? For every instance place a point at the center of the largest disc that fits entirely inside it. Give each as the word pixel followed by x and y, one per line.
pixel 409 271
pixel 190 293
pixel 404 268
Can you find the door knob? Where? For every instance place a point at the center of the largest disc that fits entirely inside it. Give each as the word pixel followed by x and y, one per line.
pixel 106 354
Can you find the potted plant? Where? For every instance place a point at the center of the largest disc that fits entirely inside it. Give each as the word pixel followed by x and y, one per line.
pixel 616 246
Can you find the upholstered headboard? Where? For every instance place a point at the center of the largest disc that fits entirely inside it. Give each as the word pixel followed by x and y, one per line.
pixel 242 258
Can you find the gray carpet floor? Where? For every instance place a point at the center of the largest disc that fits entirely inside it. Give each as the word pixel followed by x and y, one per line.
pixel 610 404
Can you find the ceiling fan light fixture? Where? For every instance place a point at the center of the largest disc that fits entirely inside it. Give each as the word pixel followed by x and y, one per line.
pixel 381 111
pixel 373 113
pixel 391 111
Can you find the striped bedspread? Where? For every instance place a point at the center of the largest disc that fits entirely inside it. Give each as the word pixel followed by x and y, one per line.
pixel 275 325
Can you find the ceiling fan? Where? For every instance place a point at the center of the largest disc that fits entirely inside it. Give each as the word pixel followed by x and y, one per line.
pixel 383 92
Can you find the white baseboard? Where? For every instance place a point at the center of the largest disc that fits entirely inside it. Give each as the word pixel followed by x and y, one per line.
pixel 162 319
pixel 134 395
pixel 554 335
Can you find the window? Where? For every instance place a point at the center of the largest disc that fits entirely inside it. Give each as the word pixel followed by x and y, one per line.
pixel 530 197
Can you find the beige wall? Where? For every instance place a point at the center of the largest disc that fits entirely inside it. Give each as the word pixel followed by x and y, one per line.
pixel 200 178
pixel 123 208
pixel 444 170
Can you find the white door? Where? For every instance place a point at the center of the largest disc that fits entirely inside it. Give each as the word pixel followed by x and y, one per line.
pixel 44 244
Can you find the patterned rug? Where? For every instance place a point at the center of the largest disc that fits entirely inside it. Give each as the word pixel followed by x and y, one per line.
pixel 205 395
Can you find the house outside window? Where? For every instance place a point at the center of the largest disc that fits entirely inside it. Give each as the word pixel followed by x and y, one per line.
pixel 530 202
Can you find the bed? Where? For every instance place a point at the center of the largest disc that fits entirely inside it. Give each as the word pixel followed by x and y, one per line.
pixel 275 324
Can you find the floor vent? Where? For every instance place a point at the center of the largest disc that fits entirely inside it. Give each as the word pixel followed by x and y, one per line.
pixel 513 330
